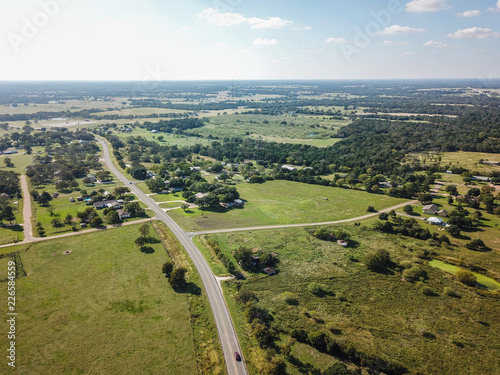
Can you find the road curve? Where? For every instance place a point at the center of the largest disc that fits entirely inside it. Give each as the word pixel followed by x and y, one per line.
pixel 225 327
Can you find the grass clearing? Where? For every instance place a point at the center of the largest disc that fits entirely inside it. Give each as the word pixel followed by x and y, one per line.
pixel 380 314
pixel 285 202
pixel 468 160
pixel 103 308
pixel 276 128
pixel 168 139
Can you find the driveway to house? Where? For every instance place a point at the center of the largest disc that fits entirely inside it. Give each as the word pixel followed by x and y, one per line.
pixel 28 229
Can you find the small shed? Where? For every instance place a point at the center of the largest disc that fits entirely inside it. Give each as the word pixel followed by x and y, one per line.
pixel 270 270
pixel 435 221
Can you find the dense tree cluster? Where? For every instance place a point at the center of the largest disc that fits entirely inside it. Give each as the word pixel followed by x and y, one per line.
pixel 174 126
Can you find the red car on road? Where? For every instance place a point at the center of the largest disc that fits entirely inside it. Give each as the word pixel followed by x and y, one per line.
pixel 237 356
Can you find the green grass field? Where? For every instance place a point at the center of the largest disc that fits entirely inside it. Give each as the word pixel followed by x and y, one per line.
pixel 104 308
pixel 283 129
pixel 69 105
pixel 285 202
pixel 468 160
pixel 380 314
pixel 169 139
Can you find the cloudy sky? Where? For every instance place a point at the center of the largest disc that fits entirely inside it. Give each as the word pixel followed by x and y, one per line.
pixel 248 39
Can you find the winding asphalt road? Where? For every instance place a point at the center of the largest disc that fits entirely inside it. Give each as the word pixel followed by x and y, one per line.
pixel 225 327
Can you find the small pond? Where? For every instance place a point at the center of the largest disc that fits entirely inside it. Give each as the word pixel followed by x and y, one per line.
pixel 484 281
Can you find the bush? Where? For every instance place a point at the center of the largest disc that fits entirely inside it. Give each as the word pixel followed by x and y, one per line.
pixel 414 273
pixel 378 261
pixel 428 291
pixel 178 277
pixel 476 244
pixel 383 216
pixel 96 222
pixel 408 209
pixel 450 292
pixel 167 268
pixel 289 298
pixel 56 223
pixel 322 234
pixel 466 277
pixel 244 296
pixel 316 288
pixel 371 209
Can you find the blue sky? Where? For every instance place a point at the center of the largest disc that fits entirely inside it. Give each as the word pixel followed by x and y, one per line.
pixel 248 39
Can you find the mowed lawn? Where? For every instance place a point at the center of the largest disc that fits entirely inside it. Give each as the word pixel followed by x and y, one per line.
pixel 286 202
pixel 105 308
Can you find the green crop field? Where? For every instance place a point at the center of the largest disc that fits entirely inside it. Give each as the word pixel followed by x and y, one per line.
pixel 378 314
pixel 286 202
pixel 106 308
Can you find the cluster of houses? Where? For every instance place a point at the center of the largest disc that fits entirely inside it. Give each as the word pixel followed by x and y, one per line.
pixel 116 204
pixel 432 209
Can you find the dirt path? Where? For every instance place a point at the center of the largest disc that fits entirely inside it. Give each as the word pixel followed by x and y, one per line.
pixel 28 229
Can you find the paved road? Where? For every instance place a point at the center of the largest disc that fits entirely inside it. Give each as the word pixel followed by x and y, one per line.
pixel 28 230
pixel 280 226
pixel 227 333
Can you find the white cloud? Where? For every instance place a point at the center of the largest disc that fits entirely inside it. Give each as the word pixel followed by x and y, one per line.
pixel 307 28
pixel 396 29
pixel 497 9
pixel 336 40
pixel 187 28
pixel 270 23
pixel 474 33
pixel 469 13
pixel 227 19
pixel 424 6
pixel 222 19
pixel 391 43
pixel 259 42
pixel 432 43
